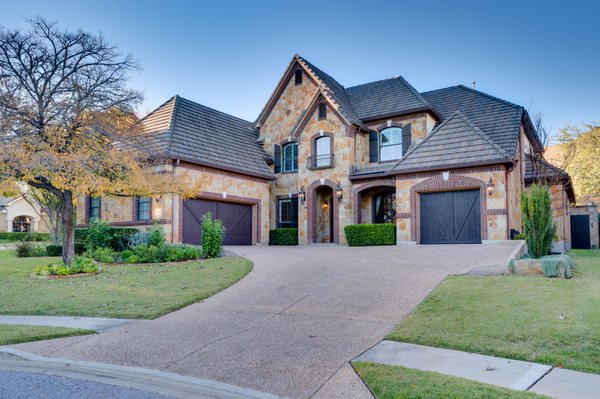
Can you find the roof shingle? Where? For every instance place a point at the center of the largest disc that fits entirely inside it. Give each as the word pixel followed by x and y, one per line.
pixel 183 129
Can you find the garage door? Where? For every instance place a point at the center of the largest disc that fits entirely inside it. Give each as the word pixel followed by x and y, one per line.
pixel 237 218
pixel 452 217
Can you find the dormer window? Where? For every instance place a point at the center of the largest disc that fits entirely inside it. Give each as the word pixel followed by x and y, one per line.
pixel 298 77
pixel 322 110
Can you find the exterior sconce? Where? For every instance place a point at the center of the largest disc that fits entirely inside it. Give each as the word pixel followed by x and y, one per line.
pixel 325 205
pixel 302 195
pixel 339 192
pixel 490 187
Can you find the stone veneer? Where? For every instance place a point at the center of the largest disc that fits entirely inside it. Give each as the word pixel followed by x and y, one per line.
pixel 493 208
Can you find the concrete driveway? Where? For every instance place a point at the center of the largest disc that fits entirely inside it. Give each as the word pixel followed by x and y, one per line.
pixel 292 323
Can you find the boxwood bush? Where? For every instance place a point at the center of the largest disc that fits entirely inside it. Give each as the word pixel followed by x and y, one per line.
pixel 26 236
pixel 370 234
pixel 287 236
pixel 101 235
pixel 56 250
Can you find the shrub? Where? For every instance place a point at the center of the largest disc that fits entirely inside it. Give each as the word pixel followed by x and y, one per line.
pixel 80 265
pixel 54 250
pixel 157 237
pixel 101 235
pixel 288 236
pixel 25 249
pixel 519 236
pixel 106 255
pixel 139 238
pixel 24 236
pixel 539 228
pixel 213 232
pixel 555 265
pixel 164 253
pixel 370 234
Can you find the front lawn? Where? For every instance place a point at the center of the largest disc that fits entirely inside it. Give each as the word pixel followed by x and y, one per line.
pixel 394 382
pixel 544 320
pixel 17 333
pixel 121 291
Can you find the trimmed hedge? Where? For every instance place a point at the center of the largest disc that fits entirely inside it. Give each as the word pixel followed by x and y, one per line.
pixel 558 266
pixel 370 234
pixel 56 250
pixel 288 236
pixel 29 236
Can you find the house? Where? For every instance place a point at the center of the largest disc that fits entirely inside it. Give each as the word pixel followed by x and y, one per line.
pixel 444 166
pixel 18 215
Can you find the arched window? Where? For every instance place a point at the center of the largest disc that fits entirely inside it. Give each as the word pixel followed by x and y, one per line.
pixel 390 144
pixel 290 157
pixel 21 224
pixel 323 152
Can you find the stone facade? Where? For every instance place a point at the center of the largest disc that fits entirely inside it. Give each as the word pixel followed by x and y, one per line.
pixel 493 207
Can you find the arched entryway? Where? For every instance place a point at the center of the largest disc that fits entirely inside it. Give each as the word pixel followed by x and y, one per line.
pixel 375 202
pixel 323 212
pixel 22 224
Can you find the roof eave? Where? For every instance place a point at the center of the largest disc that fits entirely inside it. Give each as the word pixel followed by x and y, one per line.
pixel 402 113
pixel 224 168
pixel 503 161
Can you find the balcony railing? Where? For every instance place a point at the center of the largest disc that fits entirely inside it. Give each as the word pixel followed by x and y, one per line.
pixel 320 162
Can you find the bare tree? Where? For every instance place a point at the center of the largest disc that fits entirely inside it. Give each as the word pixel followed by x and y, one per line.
pixel 540 127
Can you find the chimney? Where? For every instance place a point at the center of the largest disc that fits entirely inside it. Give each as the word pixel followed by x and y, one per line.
pixel 473 85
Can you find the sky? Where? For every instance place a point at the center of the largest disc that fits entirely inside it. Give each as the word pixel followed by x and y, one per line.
pixel 229 55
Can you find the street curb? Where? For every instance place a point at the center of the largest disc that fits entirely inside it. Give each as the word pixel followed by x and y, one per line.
pixel 137 377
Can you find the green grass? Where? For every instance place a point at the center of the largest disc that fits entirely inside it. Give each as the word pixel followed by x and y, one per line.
pixel 394 382
pixel 121 291
pixel 544 320
pixel 17 333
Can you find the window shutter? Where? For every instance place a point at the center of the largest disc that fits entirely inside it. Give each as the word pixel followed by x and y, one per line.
pixel 373 147
pixel 277 157
pixel 295 212
pixel 88 206
pixel 405 138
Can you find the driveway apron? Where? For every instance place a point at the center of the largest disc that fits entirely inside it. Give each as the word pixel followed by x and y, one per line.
pixel 300 315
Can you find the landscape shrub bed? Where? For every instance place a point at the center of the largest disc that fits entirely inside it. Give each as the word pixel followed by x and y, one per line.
pixel 26 249
pixel 287 236
pixel 370 234
pixel 56 250
pixel 29 236
pixel 80 265
pixel 101 235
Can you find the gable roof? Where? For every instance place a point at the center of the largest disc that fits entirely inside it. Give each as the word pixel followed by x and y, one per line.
pixel 7 200
pixel 393 96
pixel 183 129
pixel 456 142
pixel 540 169
pixel 499 119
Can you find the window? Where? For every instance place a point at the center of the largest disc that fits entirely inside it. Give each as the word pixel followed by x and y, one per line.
pixel 384 206
pixel 323 152
pixel 287 210
pixel 21 224
pixel 390 144
pixel 298 77
pixel 143 208
pixel 290 157
pixel 322 110
pixel 95 204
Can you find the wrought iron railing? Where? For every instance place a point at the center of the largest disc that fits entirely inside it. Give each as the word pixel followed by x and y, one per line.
pixel 320 161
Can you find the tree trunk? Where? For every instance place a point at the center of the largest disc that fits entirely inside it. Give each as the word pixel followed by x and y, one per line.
pixel 68 224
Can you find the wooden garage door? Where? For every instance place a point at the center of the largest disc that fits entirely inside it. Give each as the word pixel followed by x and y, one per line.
pixel 237 218
pixel 452 217
pixel 580 232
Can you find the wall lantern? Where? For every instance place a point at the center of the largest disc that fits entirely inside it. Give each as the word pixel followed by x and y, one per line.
pixel 339 192
pixel 490 187
pixel 302 195
pixel 325 205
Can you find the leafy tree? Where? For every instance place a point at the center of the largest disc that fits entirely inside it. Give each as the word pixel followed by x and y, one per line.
pixel 50 205
pixel 67 122
pixel 581 152
pixel 539 227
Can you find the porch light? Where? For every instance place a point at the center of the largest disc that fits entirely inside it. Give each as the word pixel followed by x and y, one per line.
pixel 490 187
pixel 302 195
pixel 339 192
pixel 325 205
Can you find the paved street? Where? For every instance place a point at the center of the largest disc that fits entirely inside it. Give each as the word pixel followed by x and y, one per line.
pixel 291 324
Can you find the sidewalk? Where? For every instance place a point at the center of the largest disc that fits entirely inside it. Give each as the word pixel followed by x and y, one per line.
pixel 98 324
pixel 513 374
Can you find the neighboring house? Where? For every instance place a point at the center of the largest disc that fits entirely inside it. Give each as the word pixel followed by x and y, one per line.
pixel 17 215
pixel 444 166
